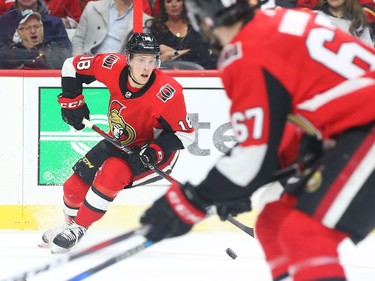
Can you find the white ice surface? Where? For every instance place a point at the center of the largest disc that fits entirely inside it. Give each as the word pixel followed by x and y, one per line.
pixel 198 256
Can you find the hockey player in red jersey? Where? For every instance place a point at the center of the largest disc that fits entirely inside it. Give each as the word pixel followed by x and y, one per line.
pixel 147 113
pixel 279 65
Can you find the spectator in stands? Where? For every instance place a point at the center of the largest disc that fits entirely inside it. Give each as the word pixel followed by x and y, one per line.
pixel 349 16
pixel 32 51
pixel 5 5
pixel 104 27
pixel 54 30
pixel 147 8
pixel 68 10
pixel 368 7
pixel 177 38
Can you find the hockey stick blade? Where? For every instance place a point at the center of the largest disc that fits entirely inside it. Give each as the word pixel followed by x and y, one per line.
pixel 111 261
pixel 61 261
pixel 244 228
pixel 278 175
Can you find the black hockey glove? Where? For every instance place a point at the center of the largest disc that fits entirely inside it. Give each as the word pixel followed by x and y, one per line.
pixel 74 110
pixel 135 161
pixel 310 150
pixel 147 154
pixel 233 208
pixel 151 153
pixel 174 214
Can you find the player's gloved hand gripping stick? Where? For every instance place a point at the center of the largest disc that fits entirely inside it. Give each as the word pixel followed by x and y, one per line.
pixel 126 149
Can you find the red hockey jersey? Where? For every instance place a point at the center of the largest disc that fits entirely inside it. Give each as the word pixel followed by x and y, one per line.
pixel 135 117
pixel 316 65
pixel 288 64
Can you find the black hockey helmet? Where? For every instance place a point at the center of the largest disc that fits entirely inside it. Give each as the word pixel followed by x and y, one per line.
pixel 143 43
pixel 216 13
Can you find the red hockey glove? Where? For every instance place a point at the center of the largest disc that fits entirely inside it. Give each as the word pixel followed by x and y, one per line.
pixel 175 213
pixel 74 110
pixel 151 153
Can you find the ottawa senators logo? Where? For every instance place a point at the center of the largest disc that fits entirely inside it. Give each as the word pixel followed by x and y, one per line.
pixel 315 181
pixel 166 92
pixel 230 54
pixel 109 61
pixel 119 128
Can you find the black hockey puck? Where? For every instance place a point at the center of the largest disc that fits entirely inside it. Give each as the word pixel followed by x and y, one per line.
pixel 231 253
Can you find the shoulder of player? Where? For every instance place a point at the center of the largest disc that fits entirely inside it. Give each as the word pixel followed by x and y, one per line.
pixel 231 54
pixel 251 42
pixel 110 61
pixel 162 79
pixel 166 88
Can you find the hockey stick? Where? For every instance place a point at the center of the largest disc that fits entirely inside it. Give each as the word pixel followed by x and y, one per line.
pixel 126 149
pixel 61 261
pixel 161 173
pixel 277 176
pixel 240 225
pixel 111 261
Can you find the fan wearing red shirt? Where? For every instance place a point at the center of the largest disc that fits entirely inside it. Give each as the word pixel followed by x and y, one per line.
pixel 69 11
pixel 5 5
pixel 146 112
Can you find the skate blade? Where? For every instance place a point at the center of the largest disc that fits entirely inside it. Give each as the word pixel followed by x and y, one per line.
pixel 44 245
pixel 58 250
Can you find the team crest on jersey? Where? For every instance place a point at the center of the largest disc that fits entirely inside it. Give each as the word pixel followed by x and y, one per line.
pixel 315 181
pixel 230 54
pixel 109 61
pixel 118 126
pixel 166 92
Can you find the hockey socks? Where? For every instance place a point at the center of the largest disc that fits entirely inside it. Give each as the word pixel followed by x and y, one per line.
pixel 267 229
pixel 114 175
pixel 311 248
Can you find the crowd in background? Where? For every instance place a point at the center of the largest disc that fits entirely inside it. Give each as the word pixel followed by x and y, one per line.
pixel 41 34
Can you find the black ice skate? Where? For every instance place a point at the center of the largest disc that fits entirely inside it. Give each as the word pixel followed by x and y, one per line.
pixel 49 235
pixel 68 238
